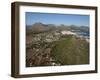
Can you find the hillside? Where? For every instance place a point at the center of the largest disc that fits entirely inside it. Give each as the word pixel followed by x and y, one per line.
pixel 55 45
pixel 71 51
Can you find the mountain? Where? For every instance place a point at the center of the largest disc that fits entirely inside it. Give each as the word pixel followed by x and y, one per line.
pixel 40 27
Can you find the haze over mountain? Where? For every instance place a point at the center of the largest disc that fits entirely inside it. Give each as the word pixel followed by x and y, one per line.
pixel 40 27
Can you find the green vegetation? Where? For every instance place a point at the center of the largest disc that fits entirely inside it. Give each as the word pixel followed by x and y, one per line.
pixel 70 51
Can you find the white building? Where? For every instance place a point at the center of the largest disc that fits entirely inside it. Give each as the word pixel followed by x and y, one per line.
pixel 68 33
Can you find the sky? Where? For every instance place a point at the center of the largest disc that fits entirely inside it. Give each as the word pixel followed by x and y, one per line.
pixel 57 19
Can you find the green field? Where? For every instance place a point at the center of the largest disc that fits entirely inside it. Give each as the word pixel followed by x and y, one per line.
pixel 71 51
